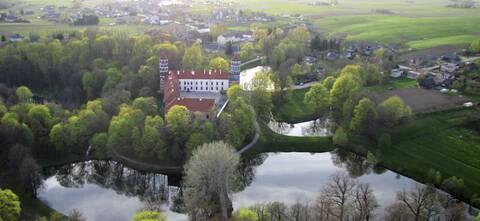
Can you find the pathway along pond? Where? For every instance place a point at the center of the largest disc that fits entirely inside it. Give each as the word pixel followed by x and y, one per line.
pixel 110 191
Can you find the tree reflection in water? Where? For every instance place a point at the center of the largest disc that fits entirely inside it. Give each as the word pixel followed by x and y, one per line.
pixel 247 169
pixel 152 189
pixel 355 164
pixel 314 128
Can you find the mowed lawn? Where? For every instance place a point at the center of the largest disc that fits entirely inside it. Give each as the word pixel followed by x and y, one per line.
pixel 415 32
pixel 441 141
pixel 293 109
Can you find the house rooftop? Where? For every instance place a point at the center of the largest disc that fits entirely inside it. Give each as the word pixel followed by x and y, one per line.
pixel 194 104
pixel 205 74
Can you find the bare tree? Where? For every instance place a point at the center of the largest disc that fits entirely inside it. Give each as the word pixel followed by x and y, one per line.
pixel 261 211
pixel 322 208
pixel 75 215
pixel 398 212
pixel 422 201
pixel 300 212
pixel 338 192
pixel 455 212
pixel 364 202
pixel 276 211
pixel 210 176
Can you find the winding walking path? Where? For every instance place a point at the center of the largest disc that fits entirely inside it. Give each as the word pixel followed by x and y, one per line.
pixel 254 140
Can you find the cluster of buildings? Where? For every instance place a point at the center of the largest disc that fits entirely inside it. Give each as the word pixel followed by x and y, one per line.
pixel 200 91
pixel 442 73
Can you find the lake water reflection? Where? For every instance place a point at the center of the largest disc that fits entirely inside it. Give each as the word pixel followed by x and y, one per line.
pixel 320 127
pixel 104 190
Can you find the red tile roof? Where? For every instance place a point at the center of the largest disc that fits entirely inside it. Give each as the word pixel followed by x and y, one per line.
pixel 205 74
pixel 194 104
pixel 171 96
pixel 171 89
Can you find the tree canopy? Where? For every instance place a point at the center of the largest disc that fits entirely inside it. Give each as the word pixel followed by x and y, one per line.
pixel 392 110
pixel 210 176
pixel 9 205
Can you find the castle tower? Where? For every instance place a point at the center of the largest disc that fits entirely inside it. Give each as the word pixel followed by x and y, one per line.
pixel 235 65
pixel 163 70
pixel 163 65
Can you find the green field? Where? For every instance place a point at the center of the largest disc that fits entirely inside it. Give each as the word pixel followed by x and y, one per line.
pixel 394 84
pixel 415 24
pixel 293 109
pixel 442 141
pixel 414 32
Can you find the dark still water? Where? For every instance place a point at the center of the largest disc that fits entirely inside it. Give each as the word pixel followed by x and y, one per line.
pixel 109 191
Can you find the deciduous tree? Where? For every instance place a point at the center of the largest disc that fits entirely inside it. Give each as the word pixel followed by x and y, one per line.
pixel 392 110
pixel 342 89
pixel 364 116
pixel 23 94
pixel 210 176
pixel 219 63
pixel 338 191
pixel 318 97
pixel 178 122
pixel 9 205
pixel 193 57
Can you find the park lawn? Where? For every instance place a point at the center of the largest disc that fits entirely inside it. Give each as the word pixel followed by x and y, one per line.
pixel 417 31
pixel 293 109
pixel 394 84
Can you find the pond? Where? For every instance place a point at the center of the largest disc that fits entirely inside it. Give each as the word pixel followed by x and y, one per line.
pixel 106 190
pixel 317 128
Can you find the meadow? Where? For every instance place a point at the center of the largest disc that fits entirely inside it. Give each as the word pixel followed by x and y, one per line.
pixel 416 24
pixel 416 33
pixel 442 141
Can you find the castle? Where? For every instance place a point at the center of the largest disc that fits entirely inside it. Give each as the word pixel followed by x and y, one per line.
pixel 198 91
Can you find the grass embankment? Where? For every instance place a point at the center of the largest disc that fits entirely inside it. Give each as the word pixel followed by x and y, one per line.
pixel 443 141
pixel 292 109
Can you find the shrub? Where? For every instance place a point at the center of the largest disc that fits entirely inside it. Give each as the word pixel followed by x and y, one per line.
pixel 245 214
pixel 384 141
pixel 340 138
pixel 371 158
pixel 454 185
pixel 434 177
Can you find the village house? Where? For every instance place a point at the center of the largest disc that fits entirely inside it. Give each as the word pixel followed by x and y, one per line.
pixel 450 67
